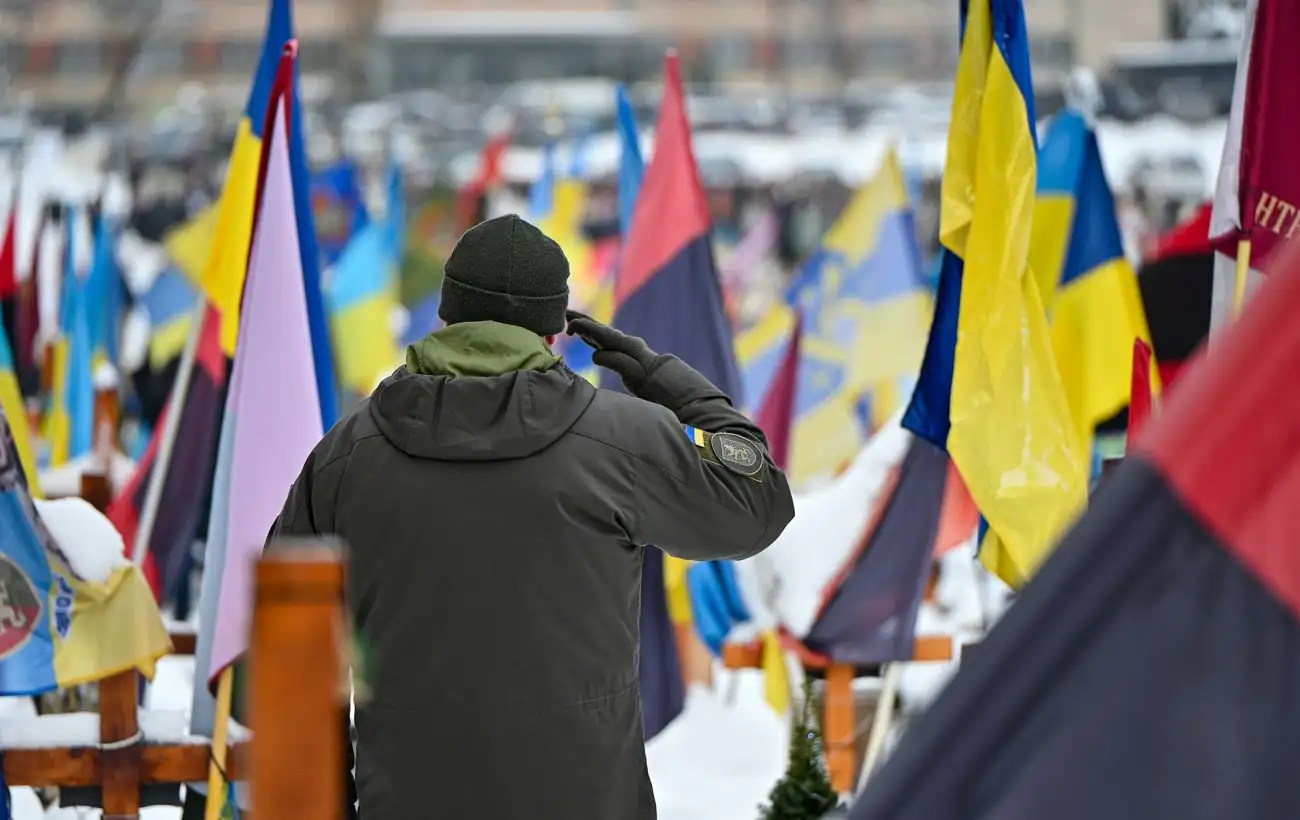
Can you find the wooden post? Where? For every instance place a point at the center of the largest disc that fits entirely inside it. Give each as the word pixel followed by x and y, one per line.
pixel 296 666
pixel 107 415
pixel 839 725
pixel 696 662
pixel 120 741
pixel 96 489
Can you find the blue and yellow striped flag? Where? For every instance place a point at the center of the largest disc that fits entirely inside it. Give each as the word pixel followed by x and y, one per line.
pixel 989 391
pixel 70 421
pixel 13 407
pixel 1088 287
pixel 218 239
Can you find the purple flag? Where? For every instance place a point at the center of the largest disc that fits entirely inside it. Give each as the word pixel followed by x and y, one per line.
pixel 273 408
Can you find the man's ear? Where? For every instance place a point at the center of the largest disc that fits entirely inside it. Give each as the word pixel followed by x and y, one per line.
pixel 550 340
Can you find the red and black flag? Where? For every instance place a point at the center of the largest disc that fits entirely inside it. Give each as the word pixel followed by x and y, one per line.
pixel 1152 667
pixel 188 478
pixel 667 292
pixel 1177 284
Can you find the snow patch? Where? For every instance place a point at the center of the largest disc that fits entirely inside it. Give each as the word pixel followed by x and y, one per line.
pixel 137 328
pixel 105 377
pixel 65 481
pixel 91 543
pixel 784 584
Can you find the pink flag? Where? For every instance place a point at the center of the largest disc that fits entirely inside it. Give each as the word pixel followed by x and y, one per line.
pixel 751 250
pixel 776 416
pixel 272 406
pixel 738 270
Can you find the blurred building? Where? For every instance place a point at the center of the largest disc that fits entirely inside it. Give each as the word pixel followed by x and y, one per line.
pixel 69 52
pixel 812 45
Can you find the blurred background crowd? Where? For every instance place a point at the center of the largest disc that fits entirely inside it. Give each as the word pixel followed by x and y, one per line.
pixel 790 101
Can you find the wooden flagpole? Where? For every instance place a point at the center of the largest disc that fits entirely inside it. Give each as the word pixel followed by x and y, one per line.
pixel 1243 273
pixel 220 743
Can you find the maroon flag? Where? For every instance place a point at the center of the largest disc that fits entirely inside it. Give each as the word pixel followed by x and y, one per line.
pixel 1139 403
pixel 1152 667
pixel 776 416
pixel 1258 196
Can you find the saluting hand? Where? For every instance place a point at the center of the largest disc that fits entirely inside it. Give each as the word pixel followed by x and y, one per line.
pixel 628 356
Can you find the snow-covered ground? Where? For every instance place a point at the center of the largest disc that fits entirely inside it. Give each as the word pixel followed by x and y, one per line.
pixel 717 762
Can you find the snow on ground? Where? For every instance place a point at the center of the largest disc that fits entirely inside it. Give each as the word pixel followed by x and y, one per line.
pixel 717 762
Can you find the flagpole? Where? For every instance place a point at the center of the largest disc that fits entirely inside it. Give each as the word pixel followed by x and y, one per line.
pixel 171 427
pixel 1243 273
pixel 217 765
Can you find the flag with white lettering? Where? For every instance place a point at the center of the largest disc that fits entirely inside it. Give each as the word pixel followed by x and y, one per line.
pixel 1257 198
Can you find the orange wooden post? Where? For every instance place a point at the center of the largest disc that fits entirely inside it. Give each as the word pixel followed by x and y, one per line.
pixel 47 368
pixel 96 490
pixel 120 741
pixel 839 727
pixel 696 662
pixel 107 414
pixel 296 667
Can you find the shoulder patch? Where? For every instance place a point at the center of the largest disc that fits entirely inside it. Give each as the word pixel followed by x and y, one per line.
pixel 732 450
pixel 737 454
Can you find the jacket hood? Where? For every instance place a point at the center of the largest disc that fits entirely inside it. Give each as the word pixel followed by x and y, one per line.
pixel 479 391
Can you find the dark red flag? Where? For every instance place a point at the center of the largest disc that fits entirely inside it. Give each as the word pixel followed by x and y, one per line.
pixel 9 256
pixel 1139 404
pixel 1261 201
pixel 776 416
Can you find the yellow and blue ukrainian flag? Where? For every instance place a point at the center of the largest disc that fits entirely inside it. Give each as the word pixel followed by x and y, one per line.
pixel 70 421
pixel 104 292
pixel 362 296
pixel 170 305
pixel 13 407
pixel 221 242
pixel 989 392
pixel 865 309
pixel 1089 289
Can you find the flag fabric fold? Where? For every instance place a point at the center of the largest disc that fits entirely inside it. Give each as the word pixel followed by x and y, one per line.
pixel 1150 669
pixel 989 391
pixel 870 614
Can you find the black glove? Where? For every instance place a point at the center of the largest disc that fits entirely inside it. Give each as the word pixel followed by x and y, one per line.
pixel 628 356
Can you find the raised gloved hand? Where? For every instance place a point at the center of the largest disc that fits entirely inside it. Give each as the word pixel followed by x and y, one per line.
pixel 628 356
